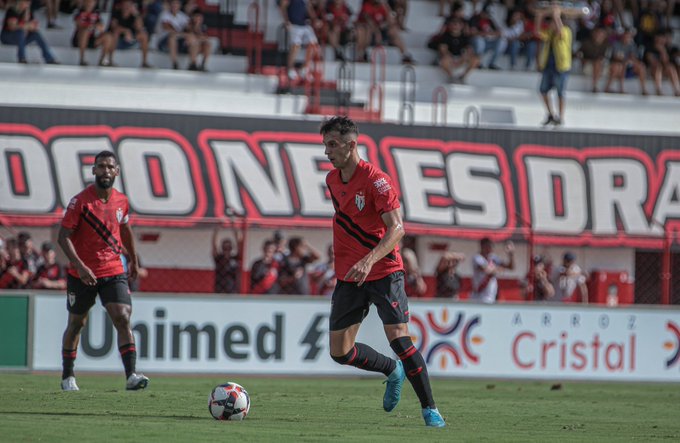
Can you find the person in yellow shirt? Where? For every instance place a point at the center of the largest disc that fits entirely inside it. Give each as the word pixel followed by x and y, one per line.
pixel 554 60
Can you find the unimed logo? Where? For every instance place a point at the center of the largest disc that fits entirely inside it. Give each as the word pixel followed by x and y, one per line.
pixel 163 340
pixel 446 340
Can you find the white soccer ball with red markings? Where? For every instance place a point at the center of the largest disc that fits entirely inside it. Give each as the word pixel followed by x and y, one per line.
pixel 229 402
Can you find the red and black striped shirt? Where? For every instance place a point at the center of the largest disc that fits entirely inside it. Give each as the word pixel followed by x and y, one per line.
pixel 96 230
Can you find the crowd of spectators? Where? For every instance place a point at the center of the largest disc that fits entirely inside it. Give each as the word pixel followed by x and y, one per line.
pixel 23 267
pixel 611 42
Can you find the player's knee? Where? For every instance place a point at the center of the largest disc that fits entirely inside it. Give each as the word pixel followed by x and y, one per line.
pixel 343 359
pixel 120 320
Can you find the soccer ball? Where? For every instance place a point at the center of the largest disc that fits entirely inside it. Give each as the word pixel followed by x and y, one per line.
pixel 229 402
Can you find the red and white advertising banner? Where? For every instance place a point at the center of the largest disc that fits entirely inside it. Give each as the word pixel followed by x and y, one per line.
pixel 276 336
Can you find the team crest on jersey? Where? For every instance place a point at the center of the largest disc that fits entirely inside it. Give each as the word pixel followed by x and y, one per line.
pixel 71 298
pixel 360 200
pixel 119 215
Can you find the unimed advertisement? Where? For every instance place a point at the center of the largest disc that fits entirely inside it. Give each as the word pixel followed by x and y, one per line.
pixel 278 336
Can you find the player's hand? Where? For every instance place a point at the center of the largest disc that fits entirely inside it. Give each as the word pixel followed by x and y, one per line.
pixel 87 276
pixel 359 272
pixel 133 270
pixel 509 247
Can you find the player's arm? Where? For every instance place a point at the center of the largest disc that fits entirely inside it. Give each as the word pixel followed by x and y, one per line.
pixel 213 243
pixel 85 273
pixel 128 239
pixel 395 232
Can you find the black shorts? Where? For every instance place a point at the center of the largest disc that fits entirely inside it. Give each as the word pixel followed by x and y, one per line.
pixel 80 297
pixel 350 302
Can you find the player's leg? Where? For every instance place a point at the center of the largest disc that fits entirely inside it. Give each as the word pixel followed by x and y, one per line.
pixel 349 307
pixel 115 296
pixel 392 304
pixel 79 300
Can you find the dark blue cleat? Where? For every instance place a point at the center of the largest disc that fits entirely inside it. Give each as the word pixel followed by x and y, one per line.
pixel 393 389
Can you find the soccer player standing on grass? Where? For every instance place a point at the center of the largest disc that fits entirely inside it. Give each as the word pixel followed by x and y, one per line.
pixel 367 227
pixel 94 228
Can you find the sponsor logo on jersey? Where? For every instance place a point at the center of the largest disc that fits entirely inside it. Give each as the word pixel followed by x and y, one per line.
pixel 360 200
pixel 119 215
pixel 381 185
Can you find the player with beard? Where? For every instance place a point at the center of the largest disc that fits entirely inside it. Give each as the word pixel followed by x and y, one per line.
pixel 92 233
pixel 367 227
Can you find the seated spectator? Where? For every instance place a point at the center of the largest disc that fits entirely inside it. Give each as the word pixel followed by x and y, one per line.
pixel 50 275
pixel 375 26
pixel 414 284
pixel 486 37
pixel 89 31
pixel 199 31
pixel 16 274
pixel 485 266
pixel 529 40
pixel 28 253
pixel 538 282
pixel 339 27
pixel 568 278
pixel 448 280
pixel 227 262
pixel 511 36
pixel 293 277
pixel 127 32
pixel 281 246
pixel 264 273
pixel 593 51
pixel 151 14
pixel 624 56
pixel 300 19
pixel 657 58
pixel 20 29
pixel 178 37
pixel 454 51
pixel 323 275
pixel 399 9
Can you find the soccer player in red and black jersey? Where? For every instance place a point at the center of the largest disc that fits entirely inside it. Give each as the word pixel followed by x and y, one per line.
pixel 92 233
pixel 367 227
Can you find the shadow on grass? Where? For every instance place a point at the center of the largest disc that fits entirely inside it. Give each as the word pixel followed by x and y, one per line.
pixel 101 414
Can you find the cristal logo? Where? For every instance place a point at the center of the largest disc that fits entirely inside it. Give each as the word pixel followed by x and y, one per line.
pixel 437 336
pixel 674 347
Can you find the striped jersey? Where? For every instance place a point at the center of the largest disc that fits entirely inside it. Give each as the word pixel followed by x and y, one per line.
pixel 357 223
pixel 96 230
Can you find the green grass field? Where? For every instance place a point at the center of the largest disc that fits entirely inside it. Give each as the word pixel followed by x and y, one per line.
pixel 174 409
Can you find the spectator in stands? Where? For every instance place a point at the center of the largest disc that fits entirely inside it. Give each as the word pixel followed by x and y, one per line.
pixel 538 281
pixel 323 275
pixel 592 52
pixel 176 37
pixel 5 277
pixel 588 22
pixel 127 32
pixel 511 36
pixel 89 31
pixel 624 56
pixel 52 13
pixel 28 253
pixel 650 23
pixel 448 280
pixel 17 274
pixel 339 26
pixel 300 20
pixel 264 273
pixel 50 275
pixel 20 29
pixel 399 9
pixel 151 15
pixel 486 37
pixel 375 25
pixel 454 51
pixel 657 58
pixel 414 284
pixel 554 61
pixel 485 266
pixel 568 278
pixel 281 249
pixel 293 278
pixel 202 46
pixel 227 261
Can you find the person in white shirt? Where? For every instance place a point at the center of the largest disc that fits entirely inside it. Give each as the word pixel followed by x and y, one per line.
pixel 485 266
pixel 177 36
pixel 568 277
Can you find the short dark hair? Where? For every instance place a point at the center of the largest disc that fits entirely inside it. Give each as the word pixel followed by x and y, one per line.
pixel 486 241
pixel 294 243
pixel 105 154
pixel 340 123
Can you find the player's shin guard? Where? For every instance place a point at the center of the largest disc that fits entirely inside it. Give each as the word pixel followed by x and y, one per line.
pixel 68 357
pixel 128 353
pixel 416 370
pixel 365 357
